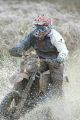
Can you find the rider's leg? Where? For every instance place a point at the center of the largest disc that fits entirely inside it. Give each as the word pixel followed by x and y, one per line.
pixel 43 82
pixel 56 72
pixel 43 66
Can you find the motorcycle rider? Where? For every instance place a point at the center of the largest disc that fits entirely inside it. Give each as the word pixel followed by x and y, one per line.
pixel 49 45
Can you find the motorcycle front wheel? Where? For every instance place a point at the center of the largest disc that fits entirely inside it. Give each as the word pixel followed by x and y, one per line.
pixel 9 103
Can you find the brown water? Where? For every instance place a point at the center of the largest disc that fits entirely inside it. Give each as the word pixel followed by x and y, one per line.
pixel 69 107
pixel 15 21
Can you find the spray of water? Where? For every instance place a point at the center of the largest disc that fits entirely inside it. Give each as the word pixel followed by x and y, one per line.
pixel 19 15
pixel 67 108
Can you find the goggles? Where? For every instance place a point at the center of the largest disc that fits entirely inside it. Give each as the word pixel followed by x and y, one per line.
pixel 41 28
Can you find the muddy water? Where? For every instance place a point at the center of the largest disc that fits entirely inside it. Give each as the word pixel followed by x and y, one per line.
pixel 69 107
pixel 15 21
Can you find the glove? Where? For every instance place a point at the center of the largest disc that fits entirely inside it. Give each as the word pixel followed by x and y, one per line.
pixel 59 59
pixel 16 51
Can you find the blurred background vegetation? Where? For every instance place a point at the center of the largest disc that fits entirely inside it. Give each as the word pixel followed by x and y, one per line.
pixel 16 21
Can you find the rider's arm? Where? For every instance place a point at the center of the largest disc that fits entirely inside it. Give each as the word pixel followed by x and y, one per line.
pixel 58 41
pixel 23 45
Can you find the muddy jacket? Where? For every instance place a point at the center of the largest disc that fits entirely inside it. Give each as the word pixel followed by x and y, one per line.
pixel 52 46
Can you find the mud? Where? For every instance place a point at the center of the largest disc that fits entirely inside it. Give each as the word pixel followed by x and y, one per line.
pixel 15 22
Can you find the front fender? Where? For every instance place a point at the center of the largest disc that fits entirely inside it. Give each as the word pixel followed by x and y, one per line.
pixel 17 77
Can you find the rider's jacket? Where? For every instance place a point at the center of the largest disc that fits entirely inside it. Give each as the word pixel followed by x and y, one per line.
pixel 51 46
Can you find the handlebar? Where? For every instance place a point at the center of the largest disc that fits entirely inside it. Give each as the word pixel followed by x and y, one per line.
pixel 49 60
pixel 35 60
pixel 17 53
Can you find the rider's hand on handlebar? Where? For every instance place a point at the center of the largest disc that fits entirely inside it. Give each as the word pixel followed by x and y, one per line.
pixel 16 51
pixel 59 60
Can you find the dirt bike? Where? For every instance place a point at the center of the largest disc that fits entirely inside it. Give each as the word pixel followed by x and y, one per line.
pixel 31 86
pixel 27 91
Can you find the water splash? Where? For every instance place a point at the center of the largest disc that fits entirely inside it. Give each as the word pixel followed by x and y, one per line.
pixel 19 15
pixel 67 108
